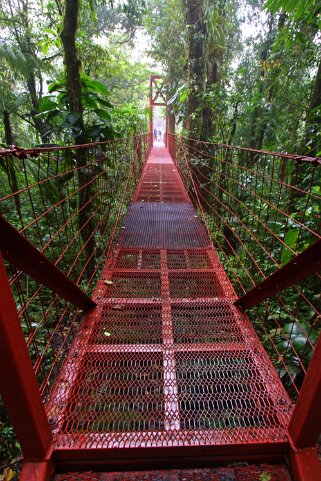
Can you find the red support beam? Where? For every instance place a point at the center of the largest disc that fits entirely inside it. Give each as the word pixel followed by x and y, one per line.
pixel 156 92
pixel 159 91
pixel 23 255
pixel 42 471
pixel 305 423
pixel 305 465
pixel 303 265
pixel 151 107
pixel 18 385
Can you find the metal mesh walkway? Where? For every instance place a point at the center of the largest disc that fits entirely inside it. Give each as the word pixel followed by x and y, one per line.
pixel 166 359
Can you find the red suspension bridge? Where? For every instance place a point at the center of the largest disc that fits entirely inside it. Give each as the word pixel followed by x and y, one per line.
pixel 161 309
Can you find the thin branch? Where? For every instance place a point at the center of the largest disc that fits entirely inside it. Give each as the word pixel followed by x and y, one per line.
pixel 25 119
pixel 59 54
pixel 12 20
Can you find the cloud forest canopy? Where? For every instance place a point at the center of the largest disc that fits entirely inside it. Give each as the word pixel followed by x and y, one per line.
pixel 243 72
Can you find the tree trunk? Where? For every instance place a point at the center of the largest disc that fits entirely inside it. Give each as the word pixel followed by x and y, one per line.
pixel 38 123
pixel 74 87
pixel 214 60
pixel 312 136
pixel 258 124
pixel 72 64
pixel 196 70
pixel 11 173
pixel 234 122
pixel 7 127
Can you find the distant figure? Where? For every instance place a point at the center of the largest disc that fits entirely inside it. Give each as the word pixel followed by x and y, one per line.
pixel 160 135
pixel 155 135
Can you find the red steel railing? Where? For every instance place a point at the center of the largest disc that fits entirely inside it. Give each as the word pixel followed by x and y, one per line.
pixel 261 210
pixel 68 202
pixel 65 205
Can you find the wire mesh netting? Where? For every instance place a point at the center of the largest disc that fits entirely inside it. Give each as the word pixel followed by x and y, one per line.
pixel 166 358
pixel 261 209
pixel 69 202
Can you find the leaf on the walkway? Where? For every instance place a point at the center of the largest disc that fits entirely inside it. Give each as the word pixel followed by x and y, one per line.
pixel 7 474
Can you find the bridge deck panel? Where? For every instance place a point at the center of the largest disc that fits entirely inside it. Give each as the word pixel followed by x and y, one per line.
pixel 166 359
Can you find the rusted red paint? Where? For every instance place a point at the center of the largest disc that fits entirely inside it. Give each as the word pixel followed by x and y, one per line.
pixel 18 385
pixel 167 366
pixel 166 360
pixel 24 256
pixel 305 424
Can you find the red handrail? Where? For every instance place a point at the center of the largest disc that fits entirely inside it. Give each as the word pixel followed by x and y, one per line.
pixel 23 255
pixel 302 266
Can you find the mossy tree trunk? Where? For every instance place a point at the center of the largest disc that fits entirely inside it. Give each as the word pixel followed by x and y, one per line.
pixel 195 65
pixel 74 89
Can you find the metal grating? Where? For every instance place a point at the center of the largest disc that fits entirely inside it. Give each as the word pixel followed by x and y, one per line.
pixel 128 324
pixel 205 323
pixel 188 260
pixel 222 390
pixel 138 259
pixel 194 285
pixel 161 183
pixel 116 393
pixel 129 284
pixel 163 226
pixel 166 359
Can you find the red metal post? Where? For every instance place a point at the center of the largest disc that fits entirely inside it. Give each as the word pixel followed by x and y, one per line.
pixel 42 471
pixel 167 125
pixel 18 384
pixel 305 424
pixel 302 266
pixel 305 465
pixel 151 108
pixel 22 254
pixel 154 100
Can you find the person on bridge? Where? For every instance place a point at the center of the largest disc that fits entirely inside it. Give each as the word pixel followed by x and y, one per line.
pixel 155 135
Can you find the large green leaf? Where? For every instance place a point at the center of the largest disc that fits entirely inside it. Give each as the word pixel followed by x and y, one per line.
pixel 94 85
pixel 103 114
pixel 47 104
pixel 290 239
pixel 56 86
pixel 297 8
pixel 105 102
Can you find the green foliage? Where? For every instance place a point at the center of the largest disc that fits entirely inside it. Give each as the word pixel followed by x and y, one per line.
pixel 32 53
pixel 129 119
pixel 94 97
pixel 9 447
pixel 165 23
pixel 310 10
pixel 290 239
pixel 114 89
